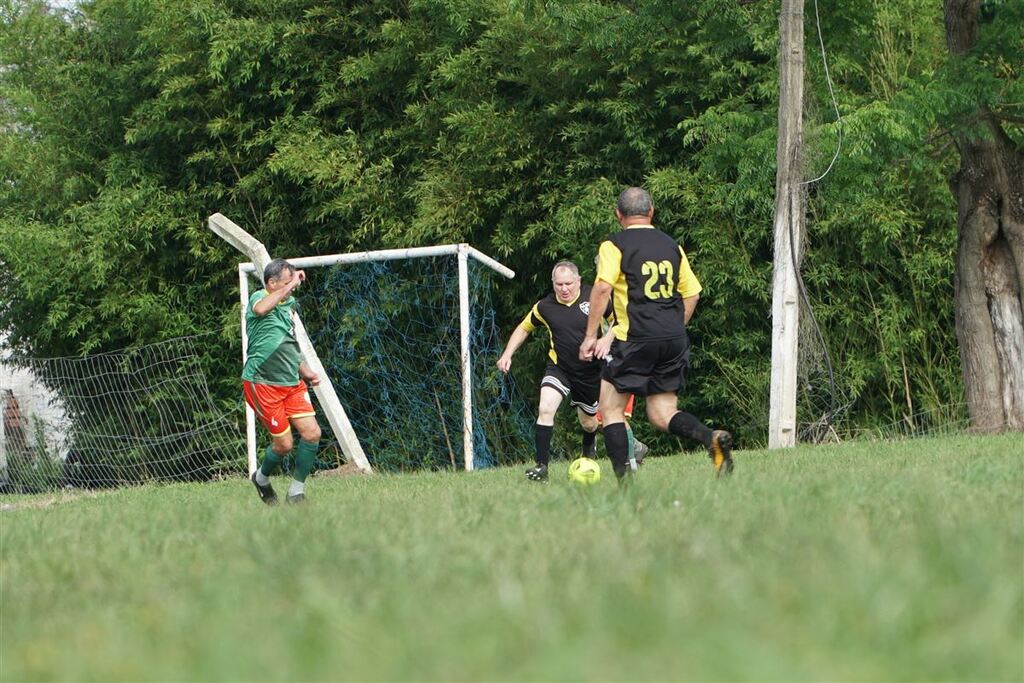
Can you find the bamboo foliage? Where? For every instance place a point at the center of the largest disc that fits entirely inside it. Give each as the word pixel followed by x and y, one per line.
pixel 335 126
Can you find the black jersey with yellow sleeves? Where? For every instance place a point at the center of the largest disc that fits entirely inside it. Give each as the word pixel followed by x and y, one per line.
pixel 567 325
pixel 650 276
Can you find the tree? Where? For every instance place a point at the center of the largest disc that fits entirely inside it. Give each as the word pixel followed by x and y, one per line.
pixel 989 188
pixel 330 126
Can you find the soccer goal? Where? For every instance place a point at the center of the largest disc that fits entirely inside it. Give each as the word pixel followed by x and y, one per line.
pixel 408 340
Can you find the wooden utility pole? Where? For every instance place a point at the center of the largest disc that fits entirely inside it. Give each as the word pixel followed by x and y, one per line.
pixel 789 220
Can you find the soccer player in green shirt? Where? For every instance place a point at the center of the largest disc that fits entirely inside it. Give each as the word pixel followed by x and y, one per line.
pixel 274 381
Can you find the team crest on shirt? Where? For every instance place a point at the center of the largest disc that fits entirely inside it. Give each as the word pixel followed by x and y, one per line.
pixel 585 307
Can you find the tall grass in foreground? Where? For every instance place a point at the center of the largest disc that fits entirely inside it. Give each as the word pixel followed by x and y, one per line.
pixel 882 561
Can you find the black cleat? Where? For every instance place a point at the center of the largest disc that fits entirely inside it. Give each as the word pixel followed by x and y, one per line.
pixel 267 494
pixel 538 473
pixel 720 452
pixel 297 499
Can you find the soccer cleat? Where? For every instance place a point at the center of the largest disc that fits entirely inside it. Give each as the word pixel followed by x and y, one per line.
pixel 720 452
pixel 267 494
pixel 297 499
pixel 538 473
pixel 640 451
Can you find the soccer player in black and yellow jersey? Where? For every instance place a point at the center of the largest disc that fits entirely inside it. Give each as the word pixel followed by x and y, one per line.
pixel 564 313
pixel 647 275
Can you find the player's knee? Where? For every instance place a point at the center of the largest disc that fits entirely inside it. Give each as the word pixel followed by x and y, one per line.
pixel 282 445
pixel 588 422
pixel 658 419
pixel 311 433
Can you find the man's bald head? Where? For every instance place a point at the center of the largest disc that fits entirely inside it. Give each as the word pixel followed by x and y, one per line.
pixel 634 201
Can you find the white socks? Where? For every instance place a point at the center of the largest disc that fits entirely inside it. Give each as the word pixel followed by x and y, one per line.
pixel 294 489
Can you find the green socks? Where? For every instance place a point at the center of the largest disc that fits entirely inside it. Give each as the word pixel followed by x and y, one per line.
pixel 305 456
pixel 632 446
pixel 271 461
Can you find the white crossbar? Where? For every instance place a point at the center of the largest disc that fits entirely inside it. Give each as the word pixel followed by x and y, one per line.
pixel 391 255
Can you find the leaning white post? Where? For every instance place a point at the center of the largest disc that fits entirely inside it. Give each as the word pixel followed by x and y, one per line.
pixel 467 361
pixel 234 235
pixel 336 414
pixel 250 416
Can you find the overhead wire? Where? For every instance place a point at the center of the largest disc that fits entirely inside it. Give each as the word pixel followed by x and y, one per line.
pixel 826 419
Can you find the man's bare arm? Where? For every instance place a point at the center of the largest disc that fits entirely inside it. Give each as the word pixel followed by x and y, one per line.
pixel 267 303
pixel 599 297
pixel 308 375
pixel 689 306
pixel 518 337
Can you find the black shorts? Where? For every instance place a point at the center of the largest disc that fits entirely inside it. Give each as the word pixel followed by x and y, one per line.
pixel 583 388
pixel 648 367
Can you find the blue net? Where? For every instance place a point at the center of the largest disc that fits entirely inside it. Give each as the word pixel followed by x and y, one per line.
pixel 387 333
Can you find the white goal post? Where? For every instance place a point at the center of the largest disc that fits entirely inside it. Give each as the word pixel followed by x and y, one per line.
pixel 343 430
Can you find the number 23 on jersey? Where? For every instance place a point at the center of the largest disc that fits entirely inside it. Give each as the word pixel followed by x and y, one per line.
pixel 659 279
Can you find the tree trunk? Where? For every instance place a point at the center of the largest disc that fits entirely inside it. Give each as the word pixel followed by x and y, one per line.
pixel 989 188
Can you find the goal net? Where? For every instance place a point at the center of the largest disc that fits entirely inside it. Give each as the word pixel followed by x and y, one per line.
pixel 127 417
pixel 389 334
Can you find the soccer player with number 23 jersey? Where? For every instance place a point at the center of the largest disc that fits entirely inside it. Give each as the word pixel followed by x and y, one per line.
pixel 654 293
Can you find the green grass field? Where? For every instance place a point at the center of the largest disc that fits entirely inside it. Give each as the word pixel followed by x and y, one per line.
pixel 865 561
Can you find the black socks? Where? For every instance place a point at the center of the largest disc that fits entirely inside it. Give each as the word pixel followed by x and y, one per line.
pixel 542 439
pixel 616 441
pixel 685 424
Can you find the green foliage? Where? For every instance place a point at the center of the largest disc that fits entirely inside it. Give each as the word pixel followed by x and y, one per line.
pixel 31 466
pixel 325 126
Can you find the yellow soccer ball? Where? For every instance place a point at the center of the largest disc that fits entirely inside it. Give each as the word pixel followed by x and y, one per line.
pixel 584 471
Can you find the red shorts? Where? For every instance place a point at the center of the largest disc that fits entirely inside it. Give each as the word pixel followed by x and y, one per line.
pixel 627 413
pixel 275 405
